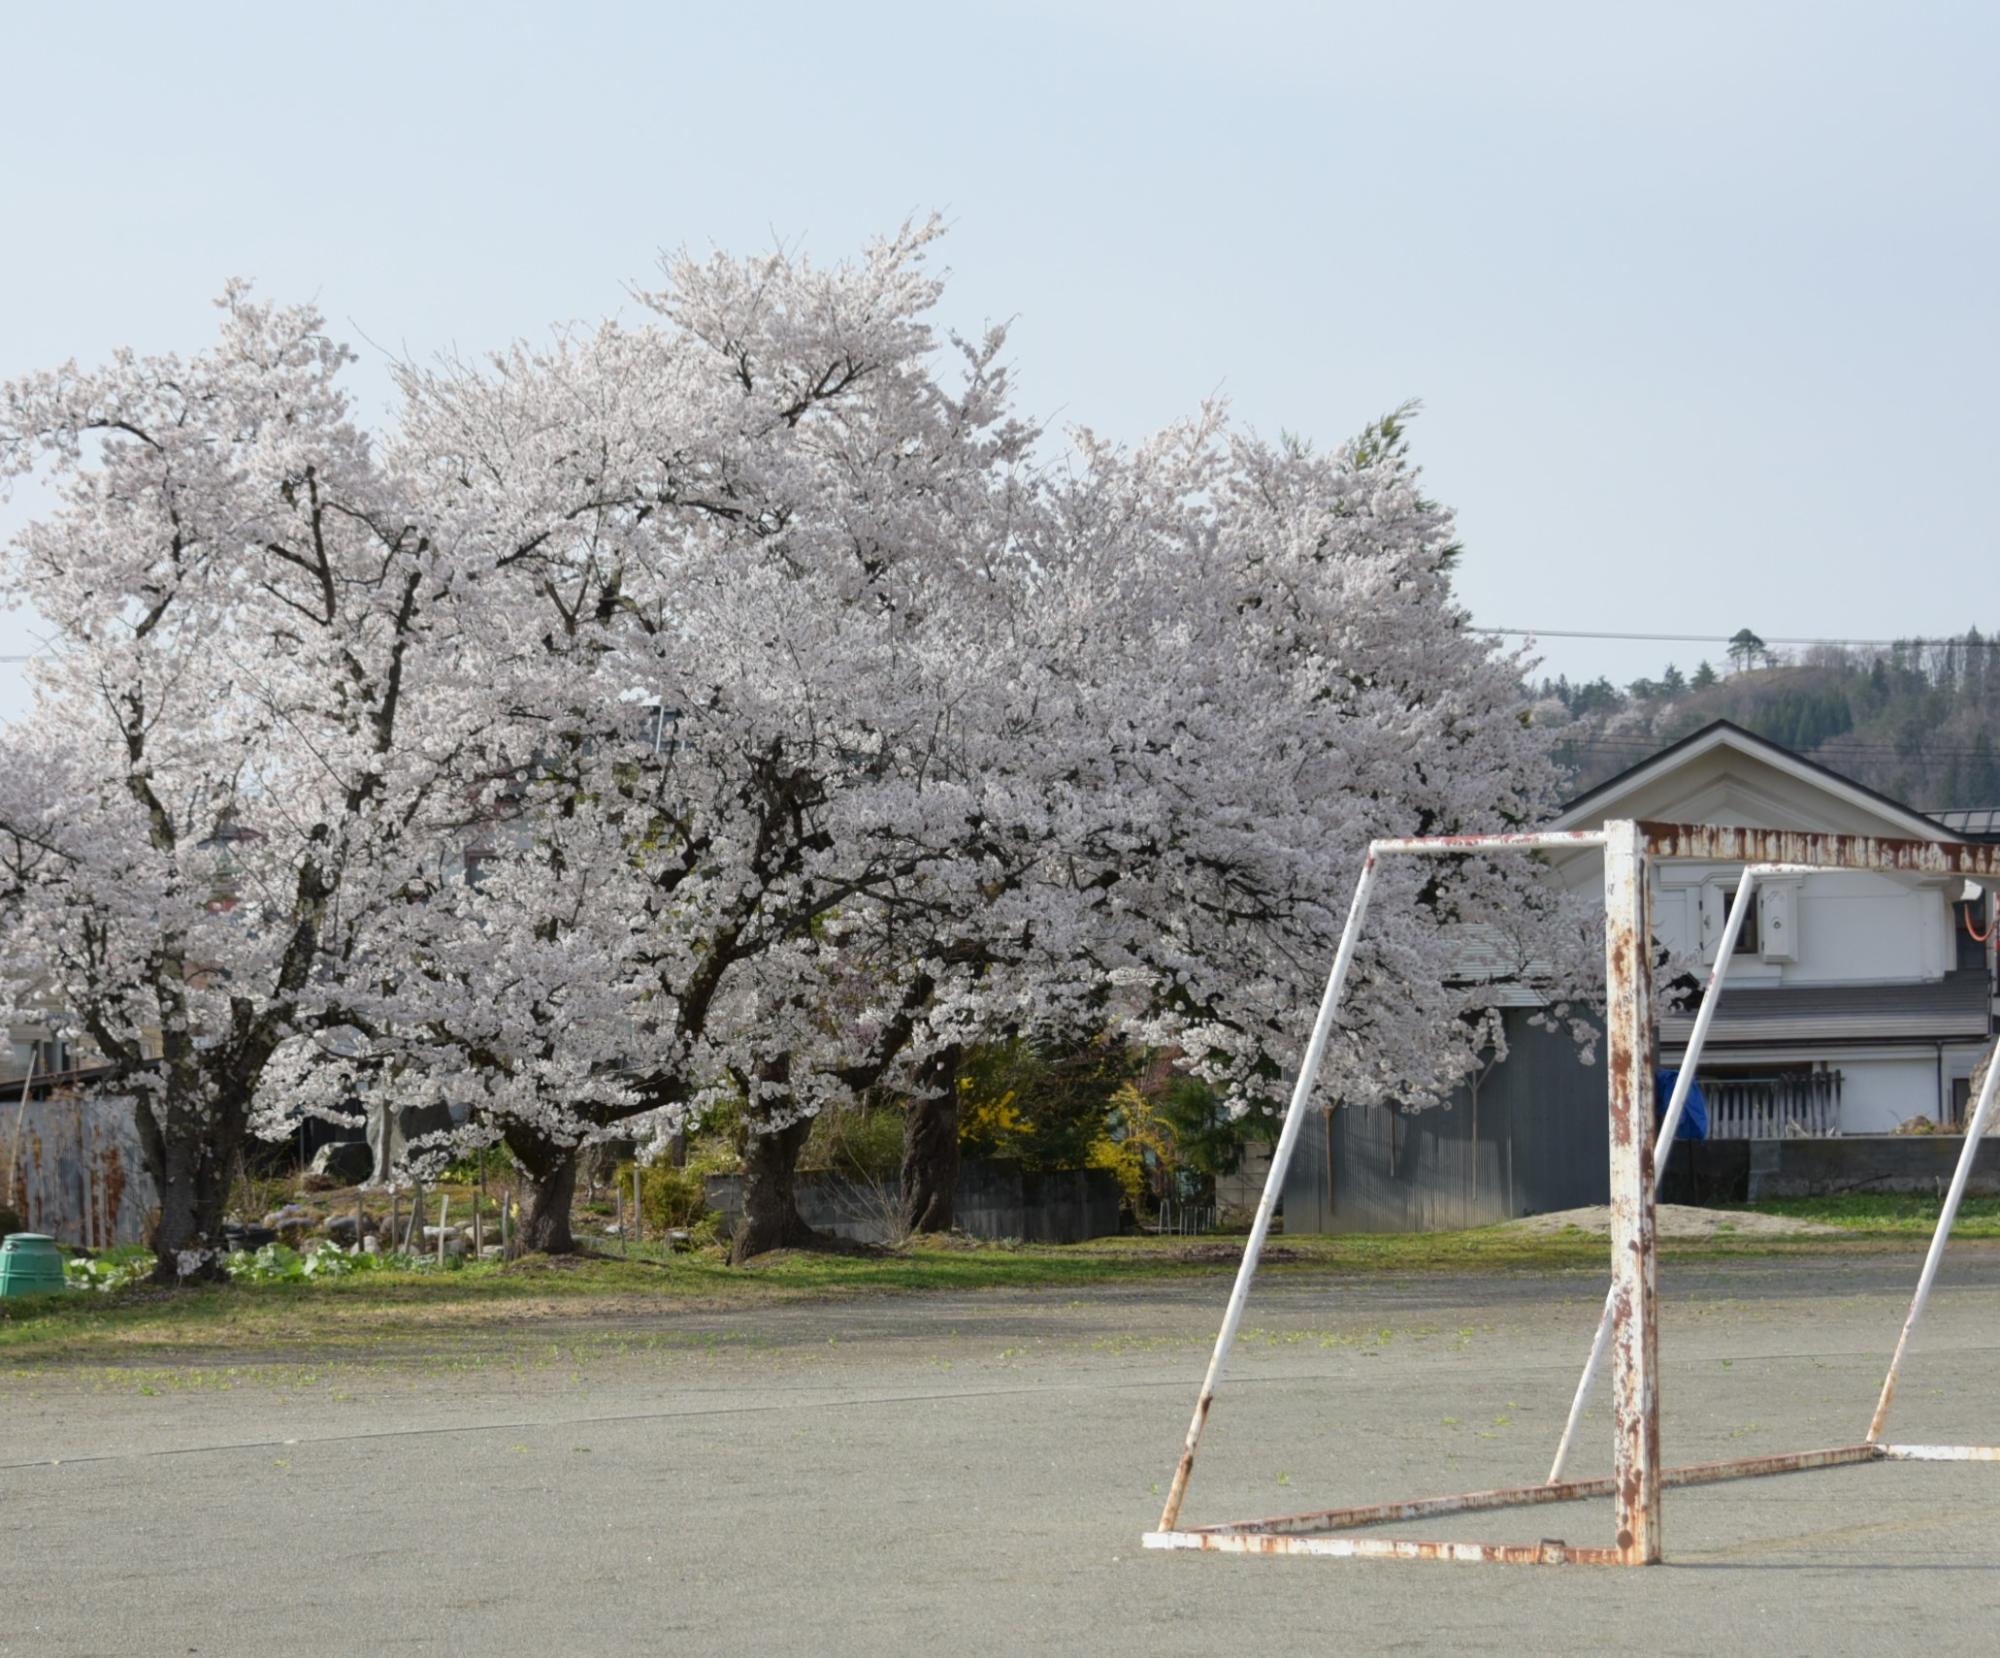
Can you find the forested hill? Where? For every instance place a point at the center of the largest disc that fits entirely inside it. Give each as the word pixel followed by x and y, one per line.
pixel 1918 721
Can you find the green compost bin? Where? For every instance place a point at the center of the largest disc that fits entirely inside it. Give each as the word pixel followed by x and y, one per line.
pixel 30 1264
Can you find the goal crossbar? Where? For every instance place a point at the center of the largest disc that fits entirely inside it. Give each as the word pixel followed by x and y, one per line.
pixel 1630 1323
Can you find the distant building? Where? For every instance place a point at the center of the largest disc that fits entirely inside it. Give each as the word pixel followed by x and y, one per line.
pixel 1855 1003
pixel 1879 982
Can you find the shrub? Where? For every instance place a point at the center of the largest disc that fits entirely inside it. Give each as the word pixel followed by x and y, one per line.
pixel 671 1198
pixel 863 1142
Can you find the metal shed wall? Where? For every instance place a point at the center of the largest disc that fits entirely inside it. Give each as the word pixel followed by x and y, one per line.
pixel 75 1170
pixel 1532 1137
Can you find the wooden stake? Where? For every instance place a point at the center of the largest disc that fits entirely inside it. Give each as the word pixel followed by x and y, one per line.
pixel 14 1151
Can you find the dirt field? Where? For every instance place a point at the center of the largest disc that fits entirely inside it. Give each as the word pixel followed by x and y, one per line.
pixel 1675 1220
pixel 972 1474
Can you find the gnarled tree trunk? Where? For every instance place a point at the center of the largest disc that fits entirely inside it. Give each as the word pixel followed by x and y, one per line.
pixel 771 1218
pixel 191 1151
pixel 930 1152
pixel 545 1228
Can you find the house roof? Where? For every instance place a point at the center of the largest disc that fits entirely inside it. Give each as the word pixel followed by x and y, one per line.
pixel 1585 808
pixel 1954 1006
pixel 1977 823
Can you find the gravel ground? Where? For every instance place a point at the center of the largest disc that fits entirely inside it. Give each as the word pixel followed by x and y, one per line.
pixel 972 1475
pixel 1677 1220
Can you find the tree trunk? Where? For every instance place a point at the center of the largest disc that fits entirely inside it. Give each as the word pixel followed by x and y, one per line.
pixel 930 1161
pixel 771 1218
pixel 192 1155
pixel 545 1228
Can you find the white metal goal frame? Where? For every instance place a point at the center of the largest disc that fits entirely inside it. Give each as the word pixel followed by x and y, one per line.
pixel 1629 1326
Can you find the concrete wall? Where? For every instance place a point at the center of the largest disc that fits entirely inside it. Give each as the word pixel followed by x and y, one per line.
pixel 1744 1171
pixel 1878 1094
pixel 993 1199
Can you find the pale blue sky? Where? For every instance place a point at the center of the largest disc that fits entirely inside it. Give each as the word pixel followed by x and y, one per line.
pixel 1699 298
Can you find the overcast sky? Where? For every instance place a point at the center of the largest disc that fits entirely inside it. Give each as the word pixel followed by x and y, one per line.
pixel 1699 299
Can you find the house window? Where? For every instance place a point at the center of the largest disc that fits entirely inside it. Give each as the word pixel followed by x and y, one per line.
pixel 1747 943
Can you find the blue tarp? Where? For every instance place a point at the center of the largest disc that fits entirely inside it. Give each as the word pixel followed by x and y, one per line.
pixel 1694 1114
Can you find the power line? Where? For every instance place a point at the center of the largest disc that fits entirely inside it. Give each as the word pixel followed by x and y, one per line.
pixel 1724 639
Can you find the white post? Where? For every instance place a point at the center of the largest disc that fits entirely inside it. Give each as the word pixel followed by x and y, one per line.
pixel 1274 1184
pixel 1968 1153
pixel 1629 1050
pixel 1711 998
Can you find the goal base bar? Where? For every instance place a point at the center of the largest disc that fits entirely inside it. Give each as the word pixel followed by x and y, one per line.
pixel 1319 1532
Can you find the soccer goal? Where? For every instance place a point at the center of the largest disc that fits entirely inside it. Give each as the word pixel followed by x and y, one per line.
pixel 1629 1326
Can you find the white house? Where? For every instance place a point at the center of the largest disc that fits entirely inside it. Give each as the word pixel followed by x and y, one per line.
pixel 1855 1002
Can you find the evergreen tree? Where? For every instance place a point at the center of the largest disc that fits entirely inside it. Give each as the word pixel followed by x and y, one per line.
pixel 1908 712
pixel 1983 784
pixel 1745 650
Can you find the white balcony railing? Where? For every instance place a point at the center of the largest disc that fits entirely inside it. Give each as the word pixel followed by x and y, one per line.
pixel 1773 1108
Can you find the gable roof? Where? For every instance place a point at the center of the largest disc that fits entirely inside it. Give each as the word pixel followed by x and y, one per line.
pixel 1976 823
pixel 1727 734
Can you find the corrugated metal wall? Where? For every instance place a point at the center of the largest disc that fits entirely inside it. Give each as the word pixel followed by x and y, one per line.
pixel 1531 1138
pixel 80 1176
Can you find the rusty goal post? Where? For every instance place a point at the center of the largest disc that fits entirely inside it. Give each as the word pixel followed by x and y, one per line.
pixel 1629 1326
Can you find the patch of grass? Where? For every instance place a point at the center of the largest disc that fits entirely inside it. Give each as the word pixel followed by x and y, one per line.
pixel 404 1314
pixel 1890 1213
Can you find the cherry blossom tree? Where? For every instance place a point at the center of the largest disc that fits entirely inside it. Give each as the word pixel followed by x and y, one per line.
pixel 1257 649
pixel 745 557
pixel 803 722
pixel 217 777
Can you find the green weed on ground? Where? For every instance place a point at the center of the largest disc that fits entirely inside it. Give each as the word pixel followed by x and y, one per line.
pixel 1890 1213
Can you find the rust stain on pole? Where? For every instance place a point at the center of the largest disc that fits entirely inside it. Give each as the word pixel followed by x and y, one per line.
pixel 1637 1479
pixel 1280 1534
pixel 1634 1299
pixel 1720 844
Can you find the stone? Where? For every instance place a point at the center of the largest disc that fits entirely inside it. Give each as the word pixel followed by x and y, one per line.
pixel 345 1162
pixel 390 1133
